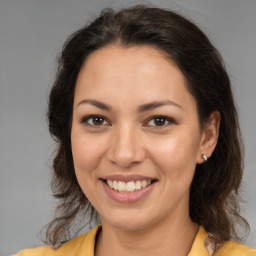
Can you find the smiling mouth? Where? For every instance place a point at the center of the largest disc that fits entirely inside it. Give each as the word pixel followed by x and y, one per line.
pixel 130 186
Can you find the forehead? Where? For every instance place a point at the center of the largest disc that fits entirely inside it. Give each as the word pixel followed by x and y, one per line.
pixel 133 59
pixel 142 73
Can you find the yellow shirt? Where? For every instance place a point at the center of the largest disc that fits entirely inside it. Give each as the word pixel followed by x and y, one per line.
pixel 84 245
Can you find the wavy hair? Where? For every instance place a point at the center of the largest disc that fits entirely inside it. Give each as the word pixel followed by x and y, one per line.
pixel 214 193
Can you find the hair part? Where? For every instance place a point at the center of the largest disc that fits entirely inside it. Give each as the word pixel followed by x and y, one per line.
pixel 214 193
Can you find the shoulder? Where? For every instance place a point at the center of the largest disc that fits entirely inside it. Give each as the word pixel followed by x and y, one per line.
pixel 232 248
pixel 84 242
pixel 68 247
pixel 204 245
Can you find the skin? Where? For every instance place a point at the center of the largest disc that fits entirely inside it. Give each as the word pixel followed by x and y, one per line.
pixel 128 142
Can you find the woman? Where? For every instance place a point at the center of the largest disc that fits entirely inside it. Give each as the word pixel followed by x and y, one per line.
pixel 148 138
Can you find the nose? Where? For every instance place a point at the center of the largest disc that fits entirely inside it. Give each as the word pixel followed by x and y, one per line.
pixel 126 147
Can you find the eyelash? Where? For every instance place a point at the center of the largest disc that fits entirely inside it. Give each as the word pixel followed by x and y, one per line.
pixel 86 118
pixel 166 119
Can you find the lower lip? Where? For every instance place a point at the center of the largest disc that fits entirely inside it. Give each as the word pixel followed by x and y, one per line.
pixel 127 197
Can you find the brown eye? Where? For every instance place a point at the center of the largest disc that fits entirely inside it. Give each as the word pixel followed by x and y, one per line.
pixel 94 121
pixel 159 121
pixel 97 120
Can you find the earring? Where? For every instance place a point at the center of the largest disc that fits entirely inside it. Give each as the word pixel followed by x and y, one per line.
pixel 204 157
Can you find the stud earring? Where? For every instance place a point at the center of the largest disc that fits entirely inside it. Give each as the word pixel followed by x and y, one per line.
pixel 204 157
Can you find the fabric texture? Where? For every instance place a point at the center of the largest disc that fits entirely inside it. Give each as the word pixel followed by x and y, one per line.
pixel 84 245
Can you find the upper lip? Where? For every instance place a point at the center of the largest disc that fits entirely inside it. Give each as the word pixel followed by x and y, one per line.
pixel 127 178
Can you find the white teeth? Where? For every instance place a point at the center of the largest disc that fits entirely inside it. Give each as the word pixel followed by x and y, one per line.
pixel 121 186
pixel 144 183
pixel 110 183
pixel 114 185
pixel 138 184
pixel 130 186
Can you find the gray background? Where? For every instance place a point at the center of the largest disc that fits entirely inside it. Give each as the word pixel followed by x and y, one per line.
pixel 31 34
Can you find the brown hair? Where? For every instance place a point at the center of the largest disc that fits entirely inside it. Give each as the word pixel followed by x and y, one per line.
pixel 214 201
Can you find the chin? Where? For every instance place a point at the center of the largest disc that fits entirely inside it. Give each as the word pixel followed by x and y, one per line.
pixel 131 225
pixel 130 221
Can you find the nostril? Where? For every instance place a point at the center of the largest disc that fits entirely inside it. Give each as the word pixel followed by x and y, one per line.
pixel 125 153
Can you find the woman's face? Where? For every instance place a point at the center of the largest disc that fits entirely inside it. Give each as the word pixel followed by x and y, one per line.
pixel 135 137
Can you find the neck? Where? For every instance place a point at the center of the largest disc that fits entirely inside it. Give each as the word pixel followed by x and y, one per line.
pixel 173 238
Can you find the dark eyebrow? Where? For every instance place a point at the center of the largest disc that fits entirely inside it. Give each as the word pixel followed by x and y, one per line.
pixel 142 108
pixel 96 103
pixel 157 104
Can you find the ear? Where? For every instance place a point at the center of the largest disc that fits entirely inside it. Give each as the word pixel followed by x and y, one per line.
pixel 209 137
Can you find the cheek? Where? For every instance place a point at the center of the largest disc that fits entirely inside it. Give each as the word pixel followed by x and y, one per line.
pixel 86 151
pixel 176 155
pixel 86 156
pixel 82 156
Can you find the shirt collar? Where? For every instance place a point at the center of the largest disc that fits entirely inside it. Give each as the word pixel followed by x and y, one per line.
pixel 197 248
